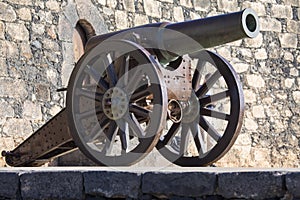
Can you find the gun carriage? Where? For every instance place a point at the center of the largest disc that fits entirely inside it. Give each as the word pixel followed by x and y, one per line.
pixel 150 86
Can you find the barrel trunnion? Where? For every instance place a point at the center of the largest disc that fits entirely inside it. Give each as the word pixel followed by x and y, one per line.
pixel 145 87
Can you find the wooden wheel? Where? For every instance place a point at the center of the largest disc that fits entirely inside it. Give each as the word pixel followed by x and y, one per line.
pixel 211 118
pixel 116 96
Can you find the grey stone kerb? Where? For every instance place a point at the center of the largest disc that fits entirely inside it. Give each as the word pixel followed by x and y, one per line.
pixel 74 11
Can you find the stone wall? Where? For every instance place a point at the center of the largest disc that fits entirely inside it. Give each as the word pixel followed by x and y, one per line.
pixel 149 184
pixel 37 57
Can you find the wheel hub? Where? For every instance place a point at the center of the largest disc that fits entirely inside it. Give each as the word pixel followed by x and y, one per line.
pixel 115 103
pixel 192 111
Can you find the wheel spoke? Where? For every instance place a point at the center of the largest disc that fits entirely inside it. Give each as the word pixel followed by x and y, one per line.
pixel 209 129
pixel 197 135
pixel 141 93
pixel 208 84
pixel 184 139
pixel 110 137
pixel 139 111
pixel 213 98
pixel 171 133
pixel 124 137
pixel 134 125
pixel 95 96
pixel 134 81
pixel 110 70
pixel 214 114
pixel 89 113
pixel 96 76
pixel 97 130
pixel 126 69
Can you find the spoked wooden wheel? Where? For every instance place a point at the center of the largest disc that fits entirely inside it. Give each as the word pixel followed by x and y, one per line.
pixel 211 118
pixel 116 96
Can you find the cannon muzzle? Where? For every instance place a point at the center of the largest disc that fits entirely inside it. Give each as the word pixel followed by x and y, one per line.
pixel 176 39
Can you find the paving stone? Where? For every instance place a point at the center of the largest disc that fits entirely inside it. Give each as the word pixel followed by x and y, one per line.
pixel 9 185
pixel 188 184
pixel 292 184
pixel 51 185
pixel 112 184
pixel 251 185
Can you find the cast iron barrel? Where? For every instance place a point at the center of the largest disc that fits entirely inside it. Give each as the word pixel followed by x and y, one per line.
pixel 187 37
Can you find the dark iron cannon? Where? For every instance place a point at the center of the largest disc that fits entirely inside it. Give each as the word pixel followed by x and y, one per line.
pixel 150 86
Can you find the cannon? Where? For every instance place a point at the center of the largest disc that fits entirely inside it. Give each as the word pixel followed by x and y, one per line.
pixel 152 86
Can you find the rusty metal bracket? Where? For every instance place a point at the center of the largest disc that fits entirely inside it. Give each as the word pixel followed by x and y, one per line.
pixel 51 140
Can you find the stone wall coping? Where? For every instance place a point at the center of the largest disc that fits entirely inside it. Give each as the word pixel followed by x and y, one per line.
pixel 148 183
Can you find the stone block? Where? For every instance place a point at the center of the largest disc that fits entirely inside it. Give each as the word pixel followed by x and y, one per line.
pixel 250 124
pixel 53 5
pixel 186 3
pixel 51 185
pixel 14 88
pixel 255 81
pixel 202 5
pixel 17 128
pixel 270 24
pixel 140 19
pixel 250 185
pixel 261 54
pixel 292 2
pixel 17 31
pixel 153 8
pixel 25 50
pixel 129 5
pixel 292 181
pixel 6 109
pixel 258 111
pixel 259 7
pixel 228 6
pixel 178 14
pixel 7 12
pixel 9 185
pixel 293 26
pixel 250 96
pixel 121 19
pixel 254 42
pixel 21 2
pixel 32 111
pixel 111 3
pixel 282 11
pixel 24 14
pixel 112 184
pixel 289 82
pixel 187 184
pixel 241 67
pixel 296 96
pixel 288 40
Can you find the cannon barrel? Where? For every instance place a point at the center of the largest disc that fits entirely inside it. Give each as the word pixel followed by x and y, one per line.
pixel 181 38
